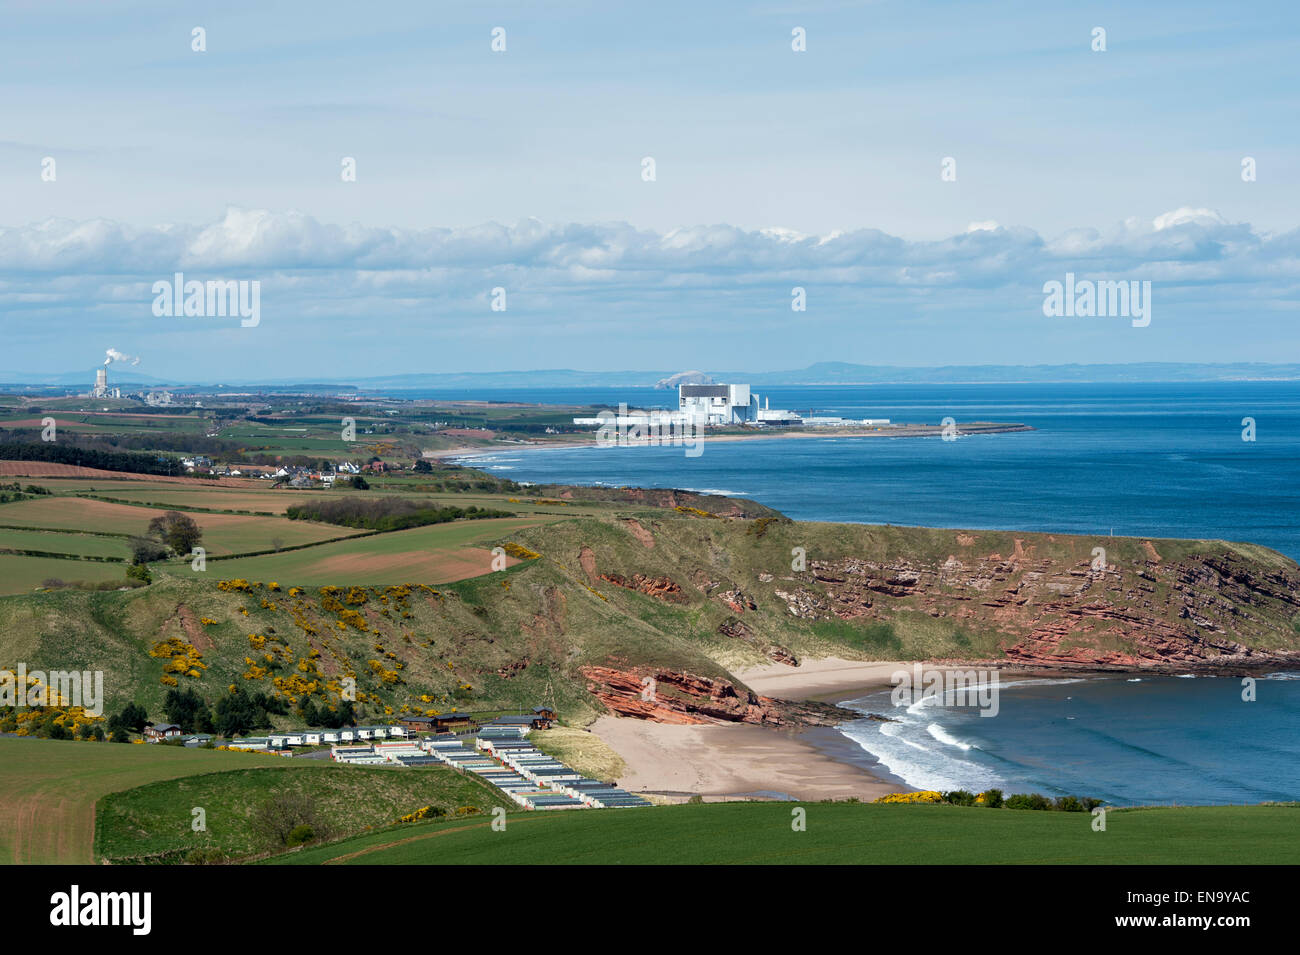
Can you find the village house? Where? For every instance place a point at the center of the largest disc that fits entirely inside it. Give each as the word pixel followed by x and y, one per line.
pixel 156 732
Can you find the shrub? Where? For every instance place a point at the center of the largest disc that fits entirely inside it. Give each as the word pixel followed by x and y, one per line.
pixel 992 798
pixel 139 572
pixel 959 797
pixel 205 856
pixel 1028 801
pixel 300 835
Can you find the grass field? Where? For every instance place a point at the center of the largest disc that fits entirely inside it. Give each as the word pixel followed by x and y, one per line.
pixel 20 575
pixel 222 533
pixel 64 543
pixel 51 787
pixel 438 553
pixel 837 833
pixel 152 823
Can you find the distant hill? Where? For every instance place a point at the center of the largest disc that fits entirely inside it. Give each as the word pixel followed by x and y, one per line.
pixel 820 373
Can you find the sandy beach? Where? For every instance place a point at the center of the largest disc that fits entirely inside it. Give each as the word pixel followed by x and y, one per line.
pixel 733 759
pixel 813 679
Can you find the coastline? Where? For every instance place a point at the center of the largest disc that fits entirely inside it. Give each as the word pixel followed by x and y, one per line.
pixel 901 431
pixel 731 761
pixel 735 761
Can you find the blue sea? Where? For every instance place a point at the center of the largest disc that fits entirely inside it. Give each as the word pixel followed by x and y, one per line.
pixel 1128 740
pixel 1159 460
pixel 1154 460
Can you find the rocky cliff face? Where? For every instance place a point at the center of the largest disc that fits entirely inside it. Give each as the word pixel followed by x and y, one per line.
pixel 1205 609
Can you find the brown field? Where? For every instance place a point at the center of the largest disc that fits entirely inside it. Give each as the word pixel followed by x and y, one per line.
pixel 50 469
pixel 436 554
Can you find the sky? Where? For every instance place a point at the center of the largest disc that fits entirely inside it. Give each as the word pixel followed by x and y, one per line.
pixel 524 170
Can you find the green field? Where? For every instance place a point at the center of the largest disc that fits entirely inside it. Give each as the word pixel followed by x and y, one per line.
pixel 20 575
pixel 222 533
pixel 64 543
pixel 51 787
pixel 837 834
pixel 152 823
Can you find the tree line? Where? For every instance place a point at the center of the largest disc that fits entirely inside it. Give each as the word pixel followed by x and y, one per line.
pixel 391 514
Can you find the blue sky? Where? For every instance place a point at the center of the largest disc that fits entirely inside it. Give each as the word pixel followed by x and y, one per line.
pixel 522 170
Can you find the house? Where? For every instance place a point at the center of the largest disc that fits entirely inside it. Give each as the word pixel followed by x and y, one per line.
pixel 197 739
pixel 442 723
pixel 535 720
pixel 417 724
pixel 155 732
pixel 454 723
pixel 249 742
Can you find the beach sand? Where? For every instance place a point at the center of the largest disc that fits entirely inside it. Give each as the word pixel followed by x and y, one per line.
pixel 735 760
pixel 831 677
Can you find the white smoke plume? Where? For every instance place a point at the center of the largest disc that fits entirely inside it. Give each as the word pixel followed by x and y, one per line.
pixel 114 355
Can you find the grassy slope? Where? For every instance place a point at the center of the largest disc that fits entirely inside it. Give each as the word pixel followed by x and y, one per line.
pixel 838 833
pixel 508 634
pixel 51 787
pixel 153 822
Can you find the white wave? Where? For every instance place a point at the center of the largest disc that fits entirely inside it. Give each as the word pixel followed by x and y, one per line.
pixel 1186 676
pixel 943 736
pixel 718 491
pixel 918 765
pixel 1043 682
pixel 1136 679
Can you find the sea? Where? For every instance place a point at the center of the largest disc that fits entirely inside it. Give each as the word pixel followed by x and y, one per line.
pixel 1214 460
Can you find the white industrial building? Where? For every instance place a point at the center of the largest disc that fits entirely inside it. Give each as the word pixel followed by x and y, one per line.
pixel 101 389
pixel 700 406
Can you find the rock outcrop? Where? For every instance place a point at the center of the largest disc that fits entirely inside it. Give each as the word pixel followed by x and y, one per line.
pixel 667 696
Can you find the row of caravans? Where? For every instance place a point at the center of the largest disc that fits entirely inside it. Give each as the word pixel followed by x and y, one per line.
pixel 322 737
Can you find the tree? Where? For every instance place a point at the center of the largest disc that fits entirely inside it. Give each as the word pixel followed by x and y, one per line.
pixel 188 710
pixel 134 717
pixel 238 713
pixel 178 531
pixel 423 466
pixel 277 818
pixel 145 551
pixel 310 715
